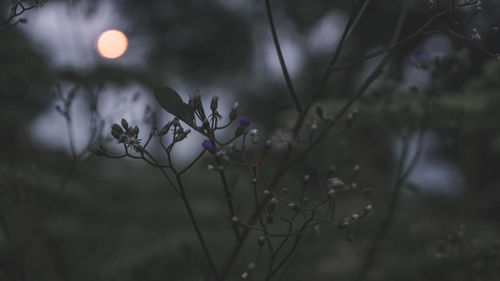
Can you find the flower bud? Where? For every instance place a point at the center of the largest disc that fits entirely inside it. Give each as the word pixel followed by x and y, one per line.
pixel 267 147
pixel 331 193
pixel 206 124
pixel 239 131
pixel 234 112
pixel 116 131
pixel 274 201
pixel 306 178
pixel 207 144
pixel 124 124
pixel 345 223
pixel 117 128
pixel 314 126
pixel 182 135
pixel 261 241
pixel 368 208
pixel 165 129
pixel 476 36
pixel 254 133
pixel 251 267
pixel 245 122
pixel 214 103
pixel 334 182
pixel 294 206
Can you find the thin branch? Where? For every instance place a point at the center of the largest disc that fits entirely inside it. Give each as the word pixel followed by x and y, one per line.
pixel 351 24
pixel 472 42
pixel 279 172
pixel 369 80
pixel 192 162
pixel 292 250
pixel 192 217
pixel 402 175
pixel 13 14
pixel 284 69
pixel 229 199
pixel 70 137
pixel 393 45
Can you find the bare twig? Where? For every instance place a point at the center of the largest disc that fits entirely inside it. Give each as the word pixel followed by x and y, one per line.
pixel 401 176
pixel 16 10
pixel 284 69
pixel 196 227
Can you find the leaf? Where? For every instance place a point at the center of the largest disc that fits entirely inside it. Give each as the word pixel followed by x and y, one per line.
pixel 171 101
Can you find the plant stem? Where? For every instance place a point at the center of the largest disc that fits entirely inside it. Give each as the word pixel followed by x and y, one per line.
pixel 284 69
pixel 192 217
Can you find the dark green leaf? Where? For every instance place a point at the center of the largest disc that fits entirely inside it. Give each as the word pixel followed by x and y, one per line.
pixel 171 101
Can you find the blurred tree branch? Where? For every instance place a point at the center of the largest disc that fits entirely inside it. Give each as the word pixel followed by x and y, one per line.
pixel 17 9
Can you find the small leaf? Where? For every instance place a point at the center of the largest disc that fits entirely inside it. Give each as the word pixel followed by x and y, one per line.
pixel 171 101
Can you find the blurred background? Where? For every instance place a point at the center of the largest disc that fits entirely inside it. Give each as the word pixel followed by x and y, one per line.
pixel 67 214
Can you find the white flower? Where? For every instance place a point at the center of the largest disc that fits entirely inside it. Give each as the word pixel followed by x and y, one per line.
pixel 334 182
pixel 475 35
pixel 281 138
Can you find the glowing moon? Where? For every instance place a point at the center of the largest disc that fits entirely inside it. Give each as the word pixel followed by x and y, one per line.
pixel 112 44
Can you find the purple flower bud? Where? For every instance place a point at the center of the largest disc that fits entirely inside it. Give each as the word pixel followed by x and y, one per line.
pixel 207 144
pixel 244 122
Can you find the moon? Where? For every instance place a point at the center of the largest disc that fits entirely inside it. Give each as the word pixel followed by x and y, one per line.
pixel 112 44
